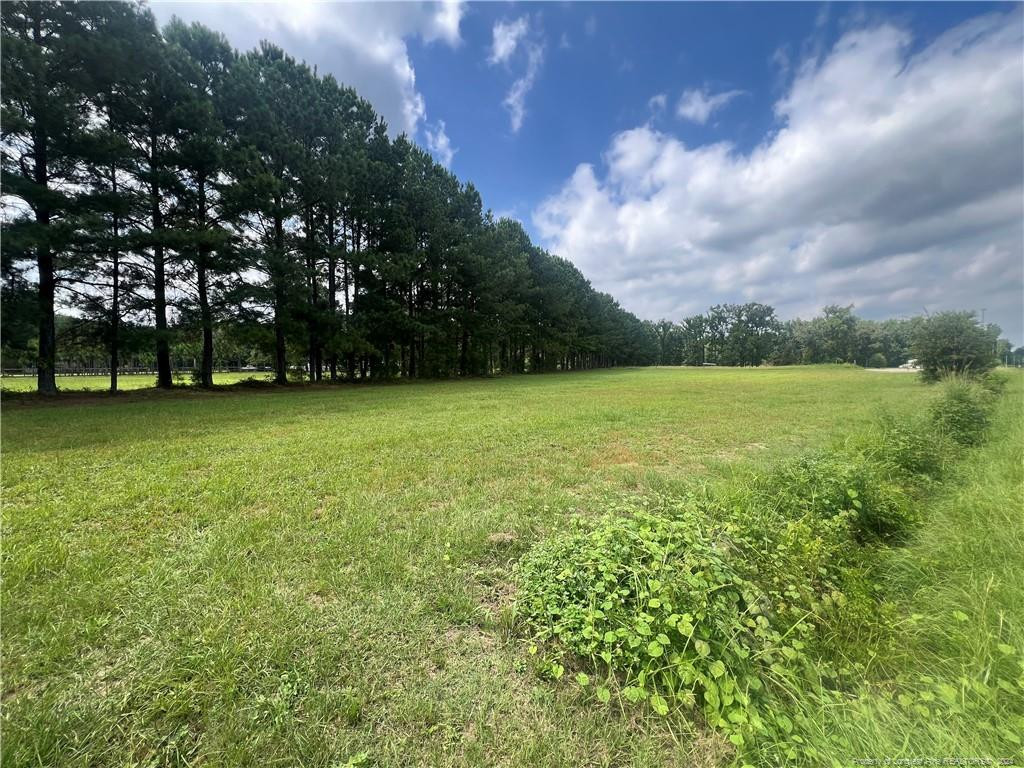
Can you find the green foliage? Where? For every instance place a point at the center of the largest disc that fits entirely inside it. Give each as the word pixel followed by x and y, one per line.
pixel 953 343
pixel 877 360
pixel 949 679
pixel 749 599
pixel 903 449
pixel 650 594
pixel 961 411
pixel 994 382
pixel 831 484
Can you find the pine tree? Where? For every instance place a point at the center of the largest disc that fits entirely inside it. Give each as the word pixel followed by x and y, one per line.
pixel 202 60
pixel 46 109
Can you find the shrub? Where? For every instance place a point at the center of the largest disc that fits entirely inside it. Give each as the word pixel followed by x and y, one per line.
pixel 953 342
pixel 907 450
pixel 877 360
pixel 993 382
pixel 961 411
pixel 829 483
pixel 653 597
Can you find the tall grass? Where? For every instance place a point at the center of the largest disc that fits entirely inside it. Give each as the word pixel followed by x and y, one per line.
pixel 951 683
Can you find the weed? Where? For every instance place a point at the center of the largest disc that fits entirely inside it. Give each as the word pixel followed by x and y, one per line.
pixel 961 411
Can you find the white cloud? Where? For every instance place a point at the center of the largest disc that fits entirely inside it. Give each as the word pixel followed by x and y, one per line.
pixel 439 144
pixel 445 23
pixel 507 35
pixel 698 105
pixel 657 102
pixel 894 181
pixel 362 45
pixel 515 100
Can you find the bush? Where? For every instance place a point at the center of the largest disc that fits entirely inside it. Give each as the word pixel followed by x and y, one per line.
pixel 953 343
pixel 877 360
pixel 961 411
pixel 907 450
pixel 652 596
pixel 831 483
pixel 994 382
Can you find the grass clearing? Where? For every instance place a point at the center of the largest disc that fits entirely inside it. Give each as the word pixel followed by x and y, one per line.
pixel 126 382
pixel 314 575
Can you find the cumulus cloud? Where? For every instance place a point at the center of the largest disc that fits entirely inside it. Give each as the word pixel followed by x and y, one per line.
pixel 893 181
pixel 698 105
pixel 439 144
pixel 508 37
pixel 362 45
pixel 657 102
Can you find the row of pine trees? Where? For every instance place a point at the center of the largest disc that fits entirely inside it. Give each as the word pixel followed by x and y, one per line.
pixel 159 177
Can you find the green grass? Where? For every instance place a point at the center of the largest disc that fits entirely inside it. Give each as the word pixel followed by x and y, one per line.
pixel 301 577
pixel 949 681
pixel 126 382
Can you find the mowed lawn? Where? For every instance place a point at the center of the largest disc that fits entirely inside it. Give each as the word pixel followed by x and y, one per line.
pixel 317 576
pixel 125 382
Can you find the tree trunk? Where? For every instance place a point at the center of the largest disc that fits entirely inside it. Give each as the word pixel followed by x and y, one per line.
pixel 280 352
pixel 332 293
pixel 115 300
pixel 205 315
pixel 464 353
pixel 47 380
pixel 206 319
pixel 412 346
pixel 46 370
pixel 280 359
pixel 163 351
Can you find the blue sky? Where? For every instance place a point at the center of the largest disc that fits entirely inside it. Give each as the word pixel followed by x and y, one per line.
pixel 684 154
pixel 619 56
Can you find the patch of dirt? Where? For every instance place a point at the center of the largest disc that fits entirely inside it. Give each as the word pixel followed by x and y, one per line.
pixel 615 454
pixel 318 600
pixel 708 749
pixel 472 636
pixel 28 689
pixel 498 597
pixel 739 452
pixel 104 680
pixel 502 538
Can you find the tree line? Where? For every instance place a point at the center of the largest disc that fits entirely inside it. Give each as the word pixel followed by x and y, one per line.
pixel 162 186
pixel 170 202
pixel 752 334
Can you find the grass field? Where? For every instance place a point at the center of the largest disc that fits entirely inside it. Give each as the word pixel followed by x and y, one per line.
pixel 127 383
pixel 315 576
pixel 957 650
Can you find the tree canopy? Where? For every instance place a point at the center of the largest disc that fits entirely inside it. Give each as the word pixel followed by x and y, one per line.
pixel 164 181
